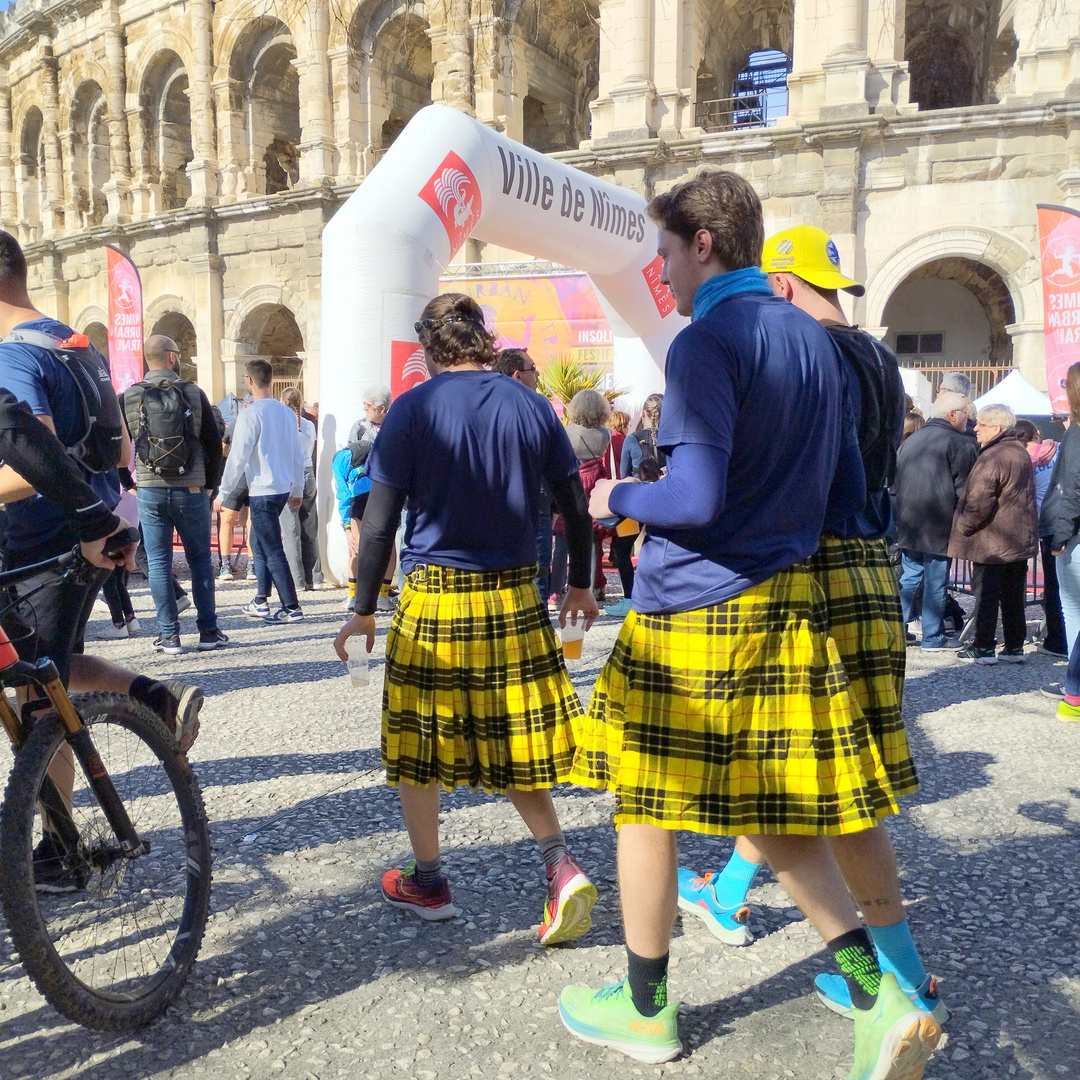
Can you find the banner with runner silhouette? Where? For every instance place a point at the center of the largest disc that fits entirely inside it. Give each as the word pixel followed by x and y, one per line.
pixel 125 320
pixel 1059 248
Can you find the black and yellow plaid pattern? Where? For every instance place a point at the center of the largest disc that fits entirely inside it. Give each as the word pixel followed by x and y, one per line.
pixel 476 691
pixel 735 718
pixel 865 621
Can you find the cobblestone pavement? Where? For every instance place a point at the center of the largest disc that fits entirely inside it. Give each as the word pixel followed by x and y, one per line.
pixel 305 973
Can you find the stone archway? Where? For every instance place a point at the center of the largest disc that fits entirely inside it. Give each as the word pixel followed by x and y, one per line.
pixel 98 334
pixel 953 314
pixel 270 331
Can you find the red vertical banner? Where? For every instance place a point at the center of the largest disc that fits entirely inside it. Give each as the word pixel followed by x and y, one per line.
pixel 1059 249
pixel 125 320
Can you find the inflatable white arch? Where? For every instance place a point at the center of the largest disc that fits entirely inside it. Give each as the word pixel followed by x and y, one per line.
pixel 445 178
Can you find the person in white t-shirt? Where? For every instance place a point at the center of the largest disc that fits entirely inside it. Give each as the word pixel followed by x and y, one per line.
pixel 267 449
pixel 293 533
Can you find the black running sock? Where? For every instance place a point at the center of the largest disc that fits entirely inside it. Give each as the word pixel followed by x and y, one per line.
pixel 855 956
pixel 261 599
pixel 152 694
pixel 648 982
pixel 552 849
pixel 427 873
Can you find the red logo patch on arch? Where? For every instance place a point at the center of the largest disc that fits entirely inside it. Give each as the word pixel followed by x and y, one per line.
pixel 407 366
pixel 661 294
pixel 454 195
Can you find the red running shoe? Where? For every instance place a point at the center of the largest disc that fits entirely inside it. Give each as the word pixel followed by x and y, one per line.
pixel 571 896
pixel 432 903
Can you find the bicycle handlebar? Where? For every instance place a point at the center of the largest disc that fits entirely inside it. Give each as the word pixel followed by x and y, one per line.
pixel 70 558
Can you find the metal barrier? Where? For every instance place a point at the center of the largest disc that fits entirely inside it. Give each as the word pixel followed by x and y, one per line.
pixel 960 579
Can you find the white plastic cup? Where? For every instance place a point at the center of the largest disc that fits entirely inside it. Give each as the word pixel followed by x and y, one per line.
pixel 358 670
pixel 573 634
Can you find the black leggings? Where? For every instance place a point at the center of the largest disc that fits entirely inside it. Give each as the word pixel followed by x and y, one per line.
pixel 116 596
pixel 622 551
pixel 999 585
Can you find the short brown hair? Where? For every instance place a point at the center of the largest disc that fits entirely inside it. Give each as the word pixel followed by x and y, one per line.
pixel 1072 391
pixel 260 371
pixel 722 203
pixel 452 331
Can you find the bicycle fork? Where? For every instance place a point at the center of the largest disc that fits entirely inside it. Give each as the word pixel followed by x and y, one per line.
pixel 77 735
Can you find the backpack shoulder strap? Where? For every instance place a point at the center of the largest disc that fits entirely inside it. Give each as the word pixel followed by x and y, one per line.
pixel 34 337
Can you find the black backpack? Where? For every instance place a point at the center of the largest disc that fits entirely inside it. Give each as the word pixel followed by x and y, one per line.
pixel 165 441
pixel 98 448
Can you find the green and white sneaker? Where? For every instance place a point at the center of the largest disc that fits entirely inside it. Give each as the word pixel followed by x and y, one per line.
pixel 608 1018
pixel 895 1038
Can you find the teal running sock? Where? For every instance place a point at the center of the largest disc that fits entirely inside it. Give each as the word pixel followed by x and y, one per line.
pixel 735 881
pixel 855 957
pixel 897 953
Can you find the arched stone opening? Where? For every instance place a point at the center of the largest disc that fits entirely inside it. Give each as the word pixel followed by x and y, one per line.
pixel 31 168
pixel 167 112
pixel 177 326
pixel 98 334
pixel 88 142
pixel 950 50
pixel 743 57
pixel 271 332
pixel 952 314
pixel 263 67
pixel 393 51
pixel 560 46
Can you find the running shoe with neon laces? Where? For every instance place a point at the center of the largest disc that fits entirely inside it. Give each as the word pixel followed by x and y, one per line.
pixel 697 896
pixel 432 904
pixel 833 993
pixel 571 896
pixel 894 1038
pixel 607 1017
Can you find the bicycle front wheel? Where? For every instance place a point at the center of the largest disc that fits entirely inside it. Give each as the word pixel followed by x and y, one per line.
pixel 112 941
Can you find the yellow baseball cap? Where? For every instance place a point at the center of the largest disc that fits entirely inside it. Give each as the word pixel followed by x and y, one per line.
pixel 808 253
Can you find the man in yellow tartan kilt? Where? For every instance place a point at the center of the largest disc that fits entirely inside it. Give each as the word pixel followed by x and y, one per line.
pixel 865 620
pixel 724 707
pixel 475 689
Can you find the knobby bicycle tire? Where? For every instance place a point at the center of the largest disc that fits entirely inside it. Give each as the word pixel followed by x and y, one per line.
pixel 113 953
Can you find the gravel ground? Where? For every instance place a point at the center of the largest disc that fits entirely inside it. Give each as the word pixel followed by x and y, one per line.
pixel 305 973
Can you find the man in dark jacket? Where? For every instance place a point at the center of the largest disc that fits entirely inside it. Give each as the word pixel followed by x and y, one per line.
pixel 931 469
pixel 995 527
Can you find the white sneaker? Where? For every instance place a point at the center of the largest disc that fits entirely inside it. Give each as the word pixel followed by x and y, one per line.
pixel 346 604
pixel 113 632
pixel 385 603
pixel 133 626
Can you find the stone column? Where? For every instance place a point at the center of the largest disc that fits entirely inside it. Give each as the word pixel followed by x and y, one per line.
pixel 202 170
pixel 672 73
pixel 829 61
pixel 317 152
pixel 8 209
pixel 52 211
pixel 232 147
pixel 51 292
pixel 633 97
pixel 209 311
pixel 1048 45
pixel 885 44
pixel 451 53
pixel 491 92
pixel 348 115
pixel 141 190
pixel 116 188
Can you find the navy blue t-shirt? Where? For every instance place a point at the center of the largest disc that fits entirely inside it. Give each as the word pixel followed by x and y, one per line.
pixel 470 448
pixel 36 376
pixel 759 379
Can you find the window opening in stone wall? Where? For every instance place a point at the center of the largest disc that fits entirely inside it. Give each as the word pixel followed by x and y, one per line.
pixel 400 74
pixel 759 94
pixel 31 177
pixel 174 141
pixel 910 344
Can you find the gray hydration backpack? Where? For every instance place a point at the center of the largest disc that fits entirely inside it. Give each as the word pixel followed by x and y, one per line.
pixel 164 439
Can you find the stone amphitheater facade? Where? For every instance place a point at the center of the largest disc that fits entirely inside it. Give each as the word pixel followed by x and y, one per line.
pixel 213 140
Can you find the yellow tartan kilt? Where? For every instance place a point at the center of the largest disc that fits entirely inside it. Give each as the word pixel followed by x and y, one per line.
pixel 865 621
pixel 734 719
pixel 476 691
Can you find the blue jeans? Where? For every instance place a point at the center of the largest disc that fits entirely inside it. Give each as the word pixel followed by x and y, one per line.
pixel 932 571
pixel 267 549
pixel 161 510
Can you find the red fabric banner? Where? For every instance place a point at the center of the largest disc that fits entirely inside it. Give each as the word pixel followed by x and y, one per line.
pixel 125 320
pixel 1059 249
pixel 407 366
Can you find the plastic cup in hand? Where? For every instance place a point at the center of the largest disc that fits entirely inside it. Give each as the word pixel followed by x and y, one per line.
pixel 572 635
pixel 627 527
pixel 358 669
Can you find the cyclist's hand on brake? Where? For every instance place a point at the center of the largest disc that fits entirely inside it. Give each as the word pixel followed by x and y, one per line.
pixel 93 551
pixel 363 625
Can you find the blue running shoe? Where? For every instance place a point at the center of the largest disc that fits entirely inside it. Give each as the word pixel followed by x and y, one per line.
pixel 833 993
pixel 698 897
